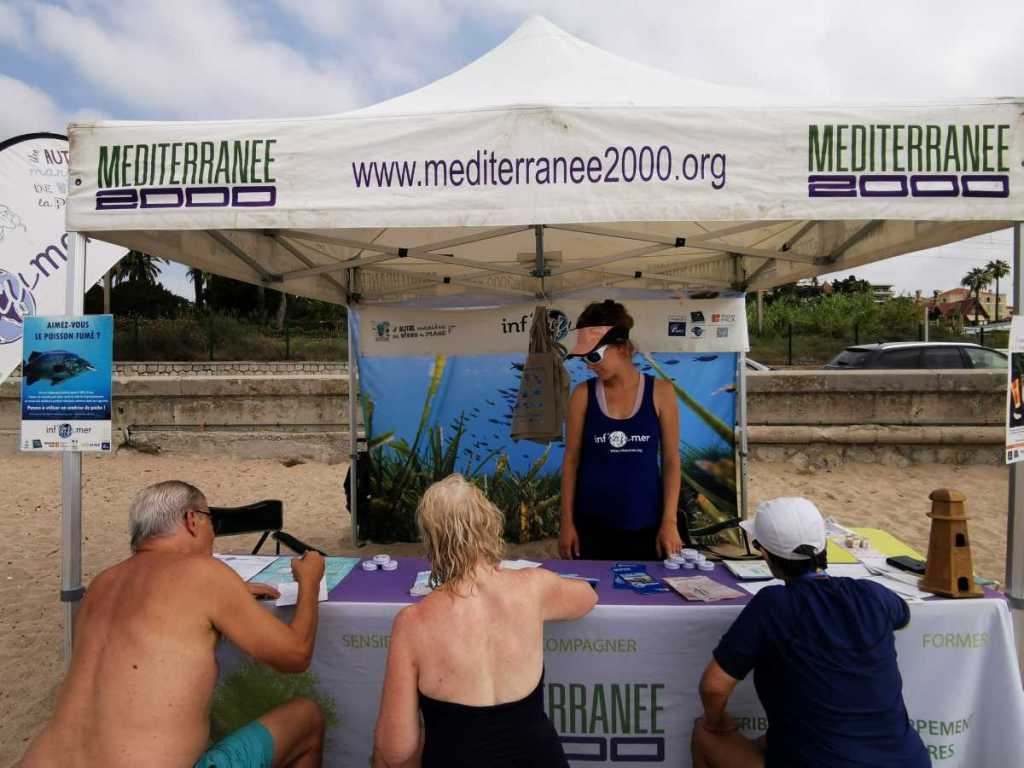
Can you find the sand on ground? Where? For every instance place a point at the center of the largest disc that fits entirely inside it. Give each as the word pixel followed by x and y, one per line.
pixel 895 499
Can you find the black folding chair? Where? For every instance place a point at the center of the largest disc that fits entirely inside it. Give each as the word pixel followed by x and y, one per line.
pixel 266 517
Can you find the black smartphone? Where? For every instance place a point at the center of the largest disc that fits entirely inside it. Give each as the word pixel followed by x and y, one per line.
pixel 905 563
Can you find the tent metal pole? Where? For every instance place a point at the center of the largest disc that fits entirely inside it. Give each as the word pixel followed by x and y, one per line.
pixel 742 419
pixel 353 431
pixel 71 590
pixel 1015 516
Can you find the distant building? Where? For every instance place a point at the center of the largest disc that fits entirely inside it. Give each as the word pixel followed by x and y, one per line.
pixel 882 293
pixel 986 300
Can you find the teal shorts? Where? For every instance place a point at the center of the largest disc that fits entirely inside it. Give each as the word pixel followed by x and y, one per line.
pixel 249 747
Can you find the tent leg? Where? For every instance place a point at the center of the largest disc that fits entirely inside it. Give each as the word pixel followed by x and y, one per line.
pixel 741 400
pixel 71 470
pixel 1015 513
pixel 353 431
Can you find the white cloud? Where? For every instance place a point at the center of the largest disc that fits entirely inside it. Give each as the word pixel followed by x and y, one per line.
pixel 25 109
pixel 12 26
pixel 209 62
pixel 398 44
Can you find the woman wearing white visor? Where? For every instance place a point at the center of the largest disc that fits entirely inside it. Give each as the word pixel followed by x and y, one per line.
pixel 824 660
pixel 621 473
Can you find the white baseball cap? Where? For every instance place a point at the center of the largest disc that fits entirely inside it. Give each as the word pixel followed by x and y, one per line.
pixel 783 525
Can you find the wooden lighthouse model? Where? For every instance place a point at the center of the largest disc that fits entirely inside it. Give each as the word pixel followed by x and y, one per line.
pixel 949 570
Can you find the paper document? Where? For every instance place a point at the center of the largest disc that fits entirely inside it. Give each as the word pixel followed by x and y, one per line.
pixel 518 565
pixel 834 528
pixel 245 566
pixel 753 587
pixel 753 570
pixel 280 570
pixel 290 592
pixel 701 588
pixel 421 587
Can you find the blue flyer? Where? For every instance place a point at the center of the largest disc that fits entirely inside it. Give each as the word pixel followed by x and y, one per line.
pixel 66 371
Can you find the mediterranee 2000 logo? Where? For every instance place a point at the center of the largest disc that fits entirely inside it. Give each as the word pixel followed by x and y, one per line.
pixel 908 160
pixel 186 174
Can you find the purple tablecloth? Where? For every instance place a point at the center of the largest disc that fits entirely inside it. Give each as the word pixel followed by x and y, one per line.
pixel 393 586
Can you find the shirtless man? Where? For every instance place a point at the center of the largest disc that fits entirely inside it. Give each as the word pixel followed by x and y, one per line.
pixel 142 673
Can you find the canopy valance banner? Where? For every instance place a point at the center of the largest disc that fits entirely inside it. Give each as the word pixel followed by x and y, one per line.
pixel 661 325
pixel 554 165
pixel 33 243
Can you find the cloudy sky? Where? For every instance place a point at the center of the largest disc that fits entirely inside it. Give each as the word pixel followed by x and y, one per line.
pixel 204 59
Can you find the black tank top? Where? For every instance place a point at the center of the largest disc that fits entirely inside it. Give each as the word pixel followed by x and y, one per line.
pixel 513 735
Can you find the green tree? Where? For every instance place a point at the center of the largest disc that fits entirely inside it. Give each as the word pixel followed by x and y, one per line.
pixel 997 269
pixel 851 284
pixel 137 267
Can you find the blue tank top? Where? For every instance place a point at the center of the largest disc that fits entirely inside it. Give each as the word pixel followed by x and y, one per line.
pixel 618 484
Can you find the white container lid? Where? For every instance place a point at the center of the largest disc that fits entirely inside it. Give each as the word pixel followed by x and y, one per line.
pixel 689 565
pixel 706 566
pixel 390 565
pixel 690 554
pixel 369 565
pixel 671 564
pixel 381 559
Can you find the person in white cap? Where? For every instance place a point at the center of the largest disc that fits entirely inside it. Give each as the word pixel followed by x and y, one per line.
pixel 621 469
pixel 824 660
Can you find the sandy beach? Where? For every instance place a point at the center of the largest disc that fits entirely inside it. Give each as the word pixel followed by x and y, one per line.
pixel 895 499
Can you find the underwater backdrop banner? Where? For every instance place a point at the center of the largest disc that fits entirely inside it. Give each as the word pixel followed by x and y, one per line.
pixel 428 415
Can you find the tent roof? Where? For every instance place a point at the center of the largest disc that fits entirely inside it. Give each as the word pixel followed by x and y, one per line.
pixel 542 65
pixel 320 207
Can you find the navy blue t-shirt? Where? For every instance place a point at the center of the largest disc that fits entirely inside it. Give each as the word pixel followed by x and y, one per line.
pixel 824 661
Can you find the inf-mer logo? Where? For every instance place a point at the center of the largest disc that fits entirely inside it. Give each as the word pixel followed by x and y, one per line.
pixel 908 160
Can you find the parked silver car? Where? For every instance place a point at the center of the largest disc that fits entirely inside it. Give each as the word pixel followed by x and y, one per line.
pixel 918 354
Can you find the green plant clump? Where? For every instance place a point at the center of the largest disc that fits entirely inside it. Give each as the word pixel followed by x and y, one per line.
pixel 254 689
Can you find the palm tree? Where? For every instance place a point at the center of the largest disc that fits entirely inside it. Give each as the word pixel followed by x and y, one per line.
pixel 997 269
pixel 136 266
pixel 198 279
pixel 974 281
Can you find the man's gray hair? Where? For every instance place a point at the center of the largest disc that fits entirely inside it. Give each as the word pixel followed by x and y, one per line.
pixel 158 510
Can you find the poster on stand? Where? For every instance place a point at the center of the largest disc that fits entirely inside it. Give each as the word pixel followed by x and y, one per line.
pixel 66 373
pixel 1015 381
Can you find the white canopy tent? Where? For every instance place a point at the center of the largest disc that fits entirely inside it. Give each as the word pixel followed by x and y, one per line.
pixel 547 167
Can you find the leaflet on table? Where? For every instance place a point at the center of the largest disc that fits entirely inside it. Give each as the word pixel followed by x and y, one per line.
pixel 289 592
pixel 749 570
pixel 634 576
pixel 246 566
pixel 894 583
pixel 701 589
pixel 280 571
pixel 518 565
pixel 421 587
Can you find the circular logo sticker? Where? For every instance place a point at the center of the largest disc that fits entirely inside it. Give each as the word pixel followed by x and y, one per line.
pixel 64 431
pixel 558 323
pixel 617 439
pixel 16 303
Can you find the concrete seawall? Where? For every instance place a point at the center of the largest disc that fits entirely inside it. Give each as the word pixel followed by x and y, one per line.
pixel 808 417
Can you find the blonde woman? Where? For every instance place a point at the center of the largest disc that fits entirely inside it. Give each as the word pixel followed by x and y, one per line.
pixel 470 655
